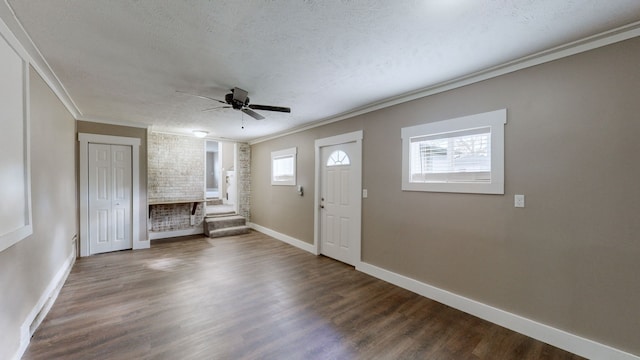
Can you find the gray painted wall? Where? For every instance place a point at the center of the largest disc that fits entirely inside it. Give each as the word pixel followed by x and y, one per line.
pixel 27 268
pixel 569 259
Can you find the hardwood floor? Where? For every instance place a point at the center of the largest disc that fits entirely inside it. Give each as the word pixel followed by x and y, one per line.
pixel 253 297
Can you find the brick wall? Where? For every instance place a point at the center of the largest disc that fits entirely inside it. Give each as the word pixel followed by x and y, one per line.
pixel 175 168
pixel 170 217
pixel 175 173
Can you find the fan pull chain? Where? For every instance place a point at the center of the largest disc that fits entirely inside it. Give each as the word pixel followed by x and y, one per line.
pixel 243 121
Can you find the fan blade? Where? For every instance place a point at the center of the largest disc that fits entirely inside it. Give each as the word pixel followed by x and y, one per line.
pixel 240 95
pixel 216 108
pixel 253 114
pixel 201 96
pixel 270 108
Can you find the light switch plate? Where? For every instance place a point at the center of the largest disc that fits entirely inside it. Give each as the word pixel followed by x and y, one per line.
pixel 518 201
pixel 364 193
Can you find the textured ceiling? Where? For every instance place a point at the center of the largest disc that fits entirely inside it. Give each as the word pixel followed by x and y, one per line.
pixel 123 60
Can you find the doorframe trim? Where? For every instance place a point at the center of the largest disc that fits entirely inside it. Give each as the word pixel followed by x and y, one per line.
pixel 84 140
pixel 355 136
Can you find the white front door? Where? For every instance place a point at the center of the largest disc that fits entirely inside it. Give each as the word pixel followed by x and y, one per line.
pixel 109 198
pixel 339 206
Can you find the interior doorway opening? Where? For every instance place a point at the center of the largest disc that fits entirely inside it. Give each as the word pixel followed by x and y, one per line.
pixel 213 170
pixel 220 173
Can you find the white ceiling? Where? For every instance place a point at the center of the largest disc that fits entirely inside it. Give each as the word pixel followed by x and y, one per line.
pixel 123 60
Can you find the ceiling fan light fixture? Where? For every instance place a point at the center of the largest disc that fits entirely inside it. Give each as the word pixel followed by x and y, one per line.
pixel 238 99
pixel 200 133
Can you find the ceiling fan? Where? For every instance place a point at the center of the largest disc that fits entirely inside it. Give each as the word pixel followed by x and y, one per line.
pixel 238 99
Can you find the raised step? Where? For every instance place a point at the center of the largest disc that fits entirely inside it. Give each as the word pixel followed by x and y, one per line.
pixel 220 214
pixel 220 226
pixel 230 231
pixel 215 223
pixel 212 210
pixel 214 201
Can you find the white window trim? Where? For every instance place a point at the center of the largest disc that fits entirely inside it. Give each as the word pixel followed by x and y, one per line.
pixel 494 119
pixel 291 152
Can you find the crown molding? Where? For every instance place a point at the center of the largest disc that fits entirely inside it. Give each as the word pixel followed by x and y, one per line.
pixel 35 58
pixel 589 43
pixel 113 122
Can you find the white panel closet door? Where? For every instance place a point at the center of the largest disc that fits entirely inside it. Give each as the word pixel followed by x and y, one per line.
pixel 110 199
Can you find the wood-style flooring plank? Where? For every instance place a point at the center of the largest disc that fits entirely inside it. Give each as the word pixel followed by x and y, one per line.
pixel 253 297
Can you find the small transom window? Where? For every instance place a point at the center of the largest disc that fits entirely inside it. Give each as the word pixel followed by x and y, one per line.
pixel 338 157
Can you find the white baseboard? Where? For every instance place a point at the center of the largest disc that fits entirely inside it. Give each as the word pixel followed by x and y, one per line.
pixel 556 337
pixel 284 238
pixel 156 235
pixel 44 304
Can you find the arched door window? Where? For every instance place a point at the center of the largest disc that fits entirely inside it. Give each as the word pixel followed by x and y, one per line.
pixel 337 158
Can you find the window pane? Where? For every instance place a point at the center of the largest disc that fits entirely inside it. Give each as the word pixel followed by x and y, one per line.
pixel 283 168
pixel 338 157
pixel 459 156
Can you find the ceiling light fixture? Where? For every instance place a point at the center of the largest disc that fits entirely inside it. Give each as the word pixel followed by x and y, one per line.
pixel 200 133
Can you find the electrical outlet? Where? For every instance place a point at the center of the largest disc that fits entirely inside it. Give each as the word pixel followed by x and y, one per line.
pixel 518 201
pixel 365 193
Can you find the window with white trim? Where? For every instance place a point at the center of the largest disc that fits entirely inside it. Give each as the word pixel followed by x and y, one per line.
pixel 283 166
pixel 461 155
